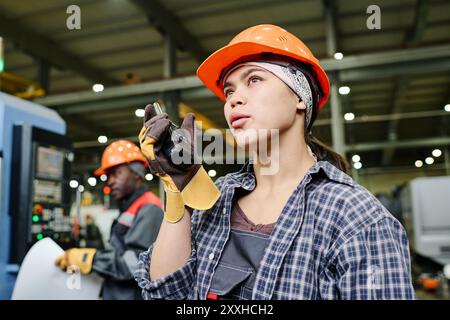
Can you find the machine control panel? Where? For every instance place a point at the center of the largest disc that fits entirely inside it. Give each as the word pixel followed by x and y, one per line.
pixel 40 197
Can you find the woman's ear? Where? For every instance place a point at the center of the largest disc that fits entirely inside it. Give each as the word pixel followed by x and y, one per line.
pixel 301 105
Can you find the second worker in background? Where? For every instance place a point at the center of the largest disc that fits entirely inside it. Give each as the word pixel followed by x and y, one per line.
pixel 135 229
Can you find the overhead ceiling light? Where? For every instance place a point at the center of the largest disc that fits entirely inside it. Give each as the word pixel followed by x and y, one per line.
pixel 447 107
pixel 344 90
pixel 338 56
pixel 429 160
pixel 103 177
pixel 418 163
pixel 73 184
pixel 102 139
pixel 98 87
pixel 140 113
pixel 92 181
pixel 349 116
pixel 356 158
pixel 70 156
pixel 212 173
pixel 436 153
pixel 357 165
pixel 149 177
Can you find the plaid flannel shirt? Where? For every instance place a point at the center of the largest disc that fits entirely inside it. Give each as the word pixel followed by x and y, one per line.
pixel 332 240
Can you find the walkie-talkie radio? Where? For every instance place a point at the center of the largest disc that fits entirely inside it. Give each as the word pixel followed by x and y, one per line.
pixel 173 144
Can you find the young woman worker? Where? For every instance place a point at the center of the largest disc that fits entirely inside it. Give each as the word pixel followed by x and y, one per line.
pixel 308 231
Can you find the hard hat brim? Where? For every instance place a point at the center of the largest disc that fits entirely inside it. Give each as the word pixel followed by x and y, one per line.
pixel 99 172
pixel 211 69
pixel 104 170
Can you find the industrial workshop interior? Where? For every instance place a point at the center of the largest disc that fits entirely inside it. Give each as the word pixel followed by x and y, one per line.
pixel 225 150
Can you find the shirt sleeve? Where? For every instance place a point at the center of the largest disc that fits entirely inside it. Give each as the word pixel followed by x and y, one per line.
pixel 120 265
pixel 374 264
pixel 175 286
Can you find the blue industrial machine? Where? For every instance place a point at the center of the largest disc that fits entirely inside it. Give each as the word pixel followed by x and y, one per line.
pixel 35 156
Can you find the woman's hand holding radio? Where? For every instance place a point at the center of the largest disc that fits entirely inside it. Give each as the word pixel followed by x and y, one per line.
pixel 185 184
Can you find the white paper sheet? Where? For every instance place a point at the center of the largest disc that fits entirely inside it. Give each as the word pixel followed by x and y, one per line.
pixel 40 279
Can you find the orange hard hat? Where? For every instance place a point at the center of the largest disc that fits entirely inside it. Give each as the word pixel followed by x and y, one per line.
pixel 429 282
pixel 119 152
pixel 257 40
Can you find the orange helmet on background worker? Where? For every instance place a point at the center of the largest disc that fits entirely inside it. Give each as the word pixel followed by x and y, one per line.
pixel 121 152
pixel 258 41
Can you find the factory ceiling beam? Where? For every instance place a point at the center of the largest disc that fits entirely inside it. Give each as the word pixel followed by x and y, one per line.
pixel 413 143
pixel 171 98
pixel 396 69
pixel 401 169
pixel 366 146
pixel 47 50
pixel 43 74
pixel 139 102
pixel 388 57
pixel 337 124
pixel 415 34
pixel 94 128
pixel 230 33
pixel 360 67
pixel 95 143
pixel 153 87
pixel 168 24
pixel 208 11
pixel 327 122
pixel 331 27
pixel 184 109
pixel 413 37
pixel 389 117
pixel 399 94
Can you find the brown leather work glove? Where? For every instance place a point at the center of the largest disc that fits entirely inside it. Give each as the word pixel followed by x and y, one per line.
pixel 186 184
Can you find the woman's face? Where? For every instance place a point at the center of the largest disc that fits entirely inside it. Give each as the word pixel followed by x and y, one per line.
pixel 256 99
